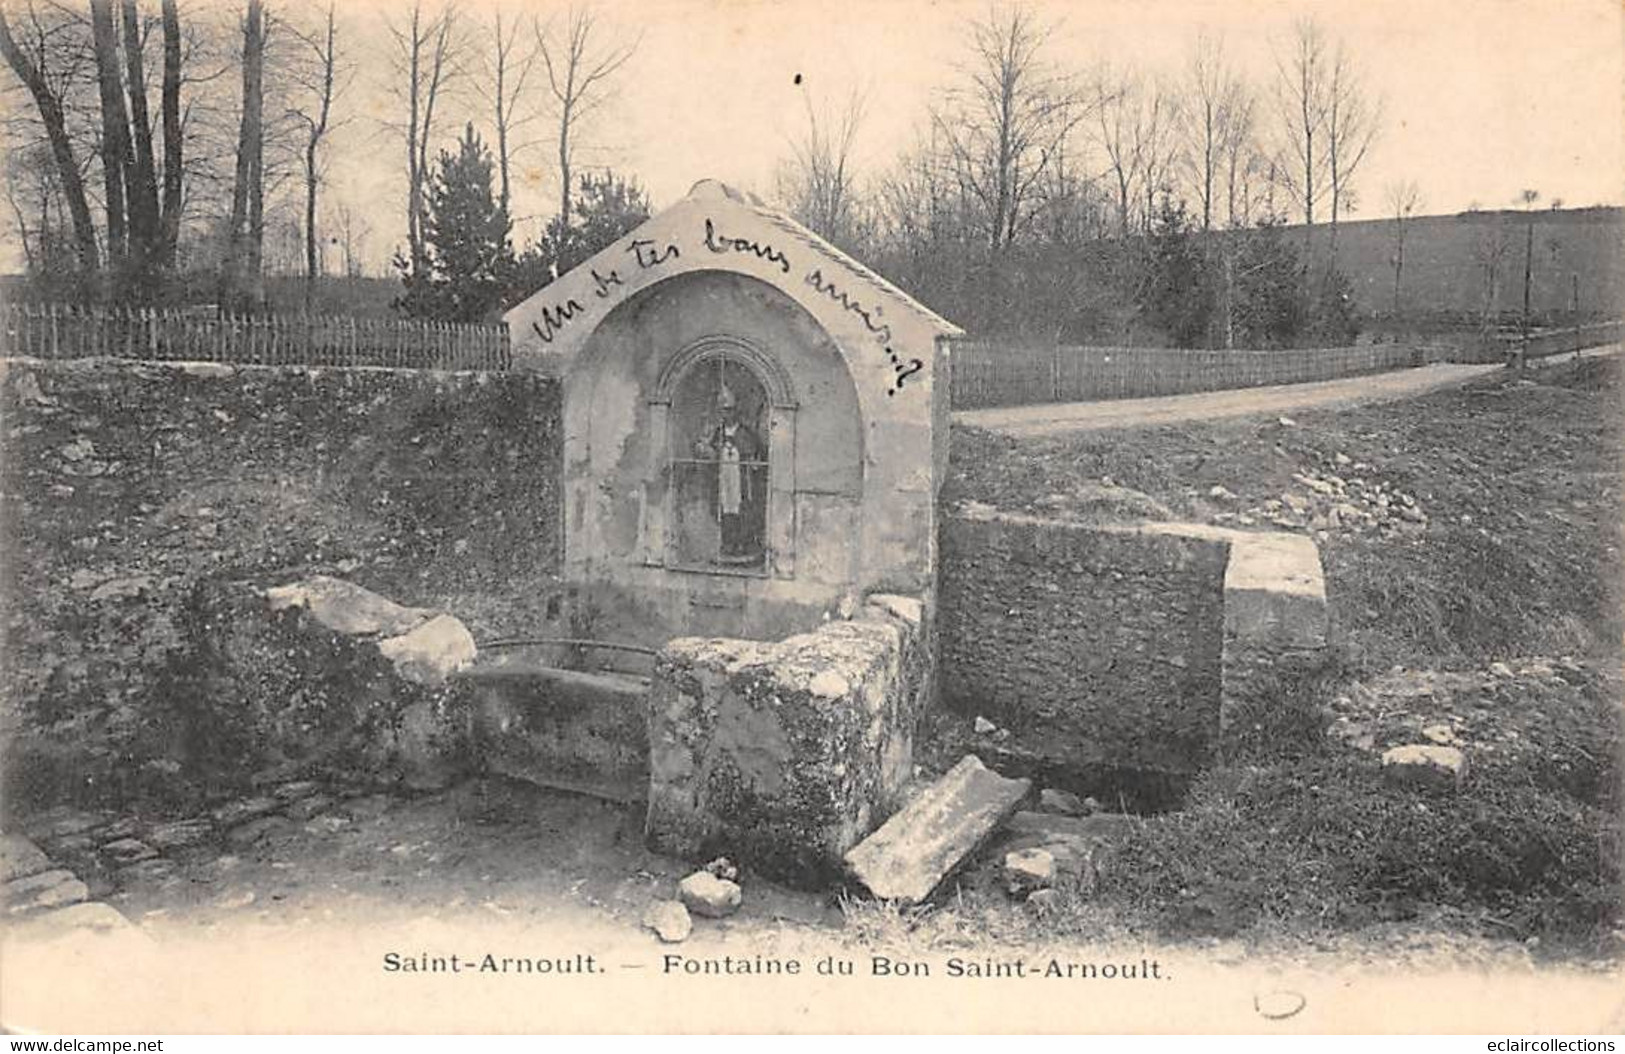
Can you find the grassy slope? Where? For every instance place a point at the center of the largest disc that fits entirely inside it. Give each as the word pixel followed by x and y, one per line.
pixel 1518 557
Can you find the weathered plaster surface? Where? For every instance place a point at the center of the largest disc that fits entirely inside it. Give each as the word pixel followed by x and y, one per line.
pixel 867 388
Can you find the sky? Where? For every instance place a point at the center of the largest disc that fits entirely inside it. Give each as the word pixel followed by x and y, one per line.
pixel 1480 98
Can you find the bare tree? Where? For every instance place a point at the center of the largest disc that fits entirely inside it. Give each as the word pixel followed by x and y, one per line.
pixel 245 233
pixel 1242 160
pixel 508 67
pixel 1351 125
pixel 116 151
pixel 32 62
pixel 1490 248
pixel 141 181
pixel 817 182
pixel 1404 198
pixel 321 87
pixel 1217 106
pixel 353 231
pixel 1007 118
pixel 428 55
pixel 1154 145
pixel 1302 71
pixel 579 66
pixel 174 135
pixel 1117 111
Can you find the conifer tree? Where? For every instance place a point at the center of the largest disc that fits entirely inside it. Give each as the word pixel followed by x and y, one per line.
pixel 470 258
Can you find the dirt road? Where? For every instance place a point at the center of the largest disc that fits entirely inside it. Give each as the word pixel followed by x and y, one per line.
pixel 1059 418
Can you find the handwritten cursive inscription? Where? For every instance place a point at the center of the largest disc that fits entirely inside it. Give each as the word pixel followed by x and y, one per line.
pixel 648 256
pixel 902 369
pixel 554 319
pixel 719 244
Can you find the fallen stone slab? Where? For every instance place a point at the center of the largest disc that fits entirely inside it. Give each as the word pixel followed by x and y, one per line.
pixel 705 894
pixel 49 889
pixel 935 834
pixel 1431 766
pixel 20 858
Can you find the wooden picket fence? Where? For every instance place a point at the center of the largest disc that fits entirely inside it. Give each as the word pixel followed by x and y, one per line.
pixel 1501 346
pixel 987 373
pixel 51 331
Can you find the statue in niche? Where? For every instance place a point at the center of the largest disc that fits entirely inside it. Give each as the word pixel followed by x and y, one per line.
pixel 739 458
pixel 720 468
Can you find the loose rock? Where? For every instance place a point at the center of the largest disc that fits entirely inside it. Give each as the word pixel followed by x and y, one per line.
pixel 705 894
pixel 243 810
pixel 181 834
pixel 20 858
pixel 258 830
pixel 1437 767
pixel 49 889
pixel 127 851
pixel 1028 869
pixel 670 921
pixel 1061 803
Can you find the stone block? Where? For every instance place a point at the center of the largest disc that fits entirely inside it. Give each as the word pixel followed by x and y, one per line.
pixel 1430 766
pixel 1275 592
pixel 40 892
pixel 327 676
pixel 1061 803
pixel 936 833
pixel 705 894
pixel 576 731
pixel 1028 869
pixel 783 755
pixel 20 858
pixel 670 921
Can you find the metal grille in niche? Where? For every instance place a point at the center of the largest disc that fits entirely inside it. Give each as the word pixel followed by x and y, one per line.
pixel 719 468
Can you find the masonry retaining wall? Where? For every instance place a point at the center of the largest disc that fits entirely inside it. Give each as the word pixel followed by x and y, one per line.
pixel 130 490
pixel 1105 650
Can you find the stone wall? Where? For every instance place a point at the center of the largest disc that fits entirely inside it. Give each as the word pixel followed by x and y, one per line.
pixel 135 492
pixel 1097 647
pixel 784 755
pixel 1123 659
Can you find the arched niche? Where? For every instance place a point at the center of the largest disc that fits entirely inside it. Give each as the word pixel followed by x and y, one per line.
pixel 634 404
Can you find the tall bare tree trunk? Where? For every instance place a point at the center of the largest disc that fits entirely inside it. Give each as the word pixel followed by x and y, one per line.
pixel 117 156
pixel 141 190
pixel 52 117
pixel 247 224
pixel 327 56
pixel 173 142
